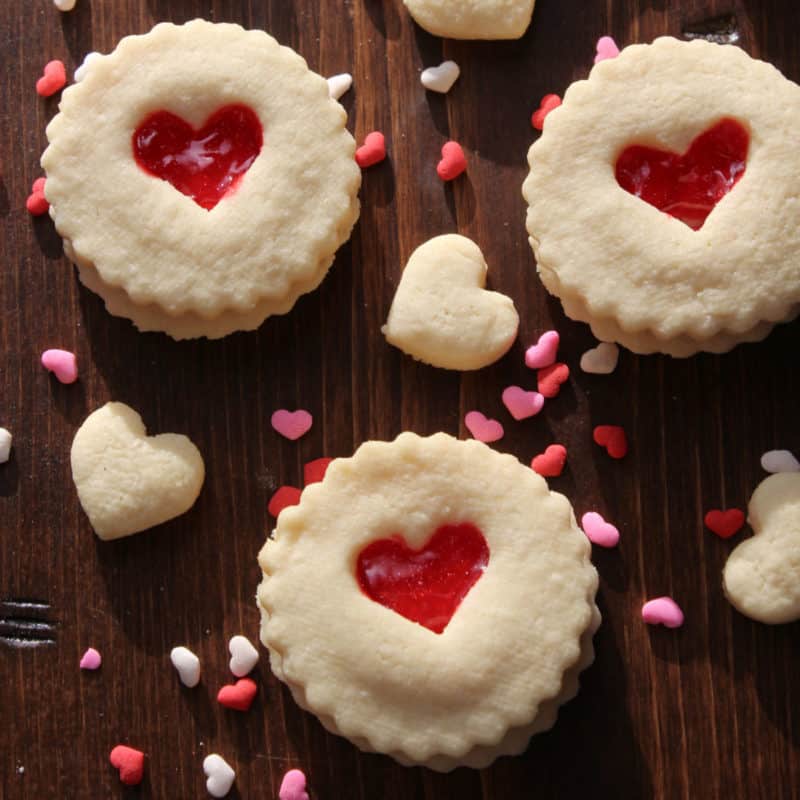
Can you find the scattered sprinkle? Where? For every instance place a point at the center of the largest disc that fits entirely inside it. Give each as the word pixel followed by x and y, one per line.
pixel 62 364
pixel 662 611
pixel 725 523
pixel 441 79
pixel 550 464
pixel 314 471
pixel 339 85
pixel 522 404
pixel 187 664
pixel 293 786
pixel 482 428
pixel 91 659
pixel 373 151
pixel 219 775
pixel 53 79
pixel 244 656
pixel 80 72
pixel 238 696
pixel 453 162
pixel 36 203
pixel 292 424
pixel 613 438
pixel 598 531
pixel 285 496
pixel 550 379
pixel 5 445
pixel 606 49
pixel 600 360
pixel 543 353
pixel 780 461
pixel 549 102
pixel 130 764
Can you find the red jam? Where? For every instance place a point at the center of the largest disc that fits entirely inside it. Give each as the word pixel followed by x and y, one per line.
pixel 427 585
pixel 207 164
pixel 687 186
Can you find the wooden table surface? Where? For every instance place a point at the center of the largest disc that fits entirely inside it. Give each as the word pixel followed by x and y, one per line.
pixel 708 711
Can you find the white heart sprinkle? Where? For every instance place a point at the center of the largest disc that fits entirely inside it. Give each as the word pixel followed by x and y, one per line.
pixel 441 78
pixel 80 73
pixel 64 5
pixel 780 461
pixel 5 445
pixel 243 656
pixel 339 84
pixel 220 775
pixel 601 360
pixel 187 664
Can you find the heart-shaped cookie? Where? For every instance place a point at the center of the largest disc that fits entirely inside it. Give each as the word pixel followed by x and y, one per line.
pixel 762 575
pixel 128 481
pixel 441 313
pixel 473 19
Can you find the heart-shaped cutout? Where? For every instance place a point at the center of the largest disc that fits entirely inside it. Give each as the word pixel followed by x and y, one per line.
pixel 220 775
pixel 427 585
pixel 687 186
pixel 725 523
pixel 130 764
pixel 239 696
pixel 128 481
pixel 442 315
pixel 205 164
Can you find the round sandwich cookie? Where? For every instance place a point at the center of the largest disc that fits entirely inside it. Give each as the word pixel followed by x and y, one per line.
pixel 473 19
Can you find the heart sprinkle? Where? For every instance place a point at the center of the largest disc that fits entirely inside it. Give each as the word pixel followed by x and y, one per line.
pixel 550 379
pixel 314 471
pixel 613 438
pixel 244 656
pixel 130 764
pixel 441 79
pixel 238 696
pixel 36 203
pixel 598 531
pixel 292 424
pixel 220 775
pixel 600 360
pixel 483 429
pixel 5 445
pixel 543 353
pixel 62 364
pixel 91 659
pixel 522 404
pixel 187 664
pixel 550 464
pixel 285 496
pixel 662 611
pixel 373 151
pixel 725 523
pixel 64 5
pixel 80 72
pixel 293 786
pixel 606 49
pixel 549 102
pixel 339 85
pixel 453 162
pixel 53 79
pixel 780 461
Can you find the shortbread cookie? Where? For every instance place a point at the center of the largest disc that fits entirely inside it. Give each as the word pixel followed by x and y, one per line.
pixel 762 575
pixel 473 19
pixel 441 313
pixel 255 177
pixel 128 481
pixel 661 198
pixel 441 620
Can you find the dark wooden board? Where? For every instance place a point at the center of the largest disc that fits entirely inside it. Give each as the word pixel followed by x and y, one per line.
pixel 709 711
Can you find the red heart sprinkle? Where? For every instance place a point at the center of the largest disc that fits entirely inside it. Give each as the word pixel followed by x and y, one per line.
pixel 725 523
pixel 130 764
pixel 37 202
pixel 373 151
pixel 549 102
pixel 53 79
pixel 453 162
pixel 428 585
pixel 613 438
pixel 550 379
pixel 550 464
pixel 284 497
pixel 205 165
pixel 314 471
pixel 238 696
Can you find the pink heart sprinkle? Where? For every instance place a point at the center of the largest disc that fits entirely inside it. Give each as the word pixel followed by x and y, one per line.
pixel 606 48
pixel 91 659
pixel 662 611
pixel 522 404
pixel 543 353
pixel 293 786
pixel 598 531
pixel 62 364
pixel 292 424
pixel 483 429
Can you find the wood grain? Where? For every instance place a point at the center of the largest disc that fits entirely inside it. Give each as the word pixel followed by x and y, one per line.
pixel 709 711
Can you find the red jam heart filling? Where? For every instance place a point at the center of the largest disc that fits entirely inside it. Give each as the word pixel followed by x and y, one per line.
pixel 687 186
pixel 207 164
pixel 427 585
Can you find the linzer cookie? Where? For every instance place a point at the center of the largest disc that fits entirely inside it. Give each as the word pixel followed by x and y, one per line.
pixel 217 188
pixel 662 198
pixel 423 612
pixel 473 19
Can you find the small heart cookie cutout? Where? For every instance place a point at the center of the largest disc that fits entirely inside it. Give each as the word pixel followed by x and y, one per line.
pixel 220 775
pixel 598 531
pixel 292 424
pixel 453 162
pixel 550 464
pixel 442 314
pixel 373 151
pixel 128 481
pixel 550 379
pixel 725 523
pixel 662 611
pixel 440 79
pixel 522 404
pixel 482 428
pixel 606 49
pixel 543 353
pixel 600 360
pixel 548 103
pixel 53 79
pixel 613 438
pixel 129 762
pixel 238 696
pixel 293 786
